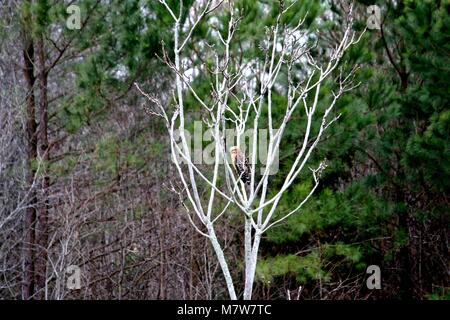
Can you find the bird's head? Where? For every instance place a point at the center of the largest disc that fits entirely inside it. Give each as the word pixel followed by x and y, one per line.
pixel 234 150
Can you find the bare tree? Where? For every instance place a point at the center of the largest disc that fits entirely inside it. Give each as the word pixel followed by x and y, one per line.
pixel 240 92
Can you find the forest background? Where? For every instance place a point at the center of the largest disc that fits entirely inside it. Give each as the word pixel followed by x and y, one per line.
pixel 85 171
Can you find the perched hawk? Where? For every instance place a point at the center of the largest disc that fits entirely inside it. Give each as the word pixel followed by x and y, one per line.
pixel 240 164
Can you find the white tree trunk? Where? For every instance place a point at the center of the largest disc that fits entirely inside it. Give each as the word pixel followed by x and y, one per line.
pixel 250 270
pixel 222 262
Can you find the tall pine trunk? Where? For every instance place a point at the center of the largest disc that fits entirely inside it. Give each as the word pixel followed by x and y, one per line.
pixel 28 283
pixel 43 147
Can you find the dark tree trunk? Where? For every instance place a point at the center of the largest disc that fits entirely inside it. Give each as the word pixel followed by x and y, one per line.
pixel 30 215
pixel 42 231
pixel 406 283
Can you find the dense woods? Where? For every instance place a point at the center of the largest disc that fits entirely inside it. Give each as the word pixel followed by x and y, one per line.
pixel 86 171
